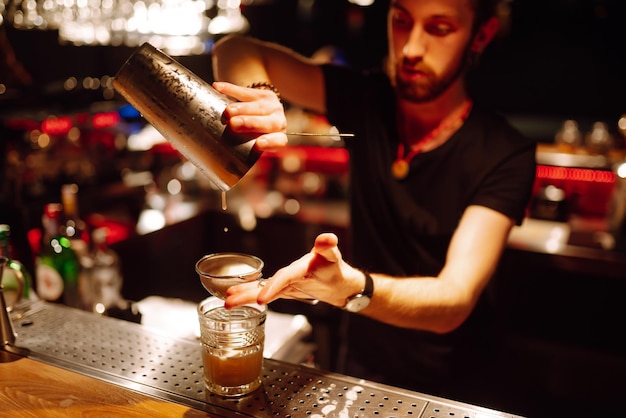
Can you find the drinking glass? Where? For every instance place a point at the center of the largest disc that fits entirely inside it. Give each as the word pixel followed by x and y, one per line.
pixel 232 346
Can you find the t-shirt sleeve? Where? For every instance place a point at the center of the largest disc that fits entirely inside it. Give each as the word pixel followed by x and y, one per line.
pixel 508 188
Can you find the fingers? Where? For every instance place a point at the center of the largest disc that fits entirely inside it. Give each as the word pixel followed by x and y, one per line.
pixel 257 111
pixel 302 277
pixel 271 142
pixel 311 276
pixel 251 293
pixel 255 123
pixel 280 283
pixel 242 294
pixel 244 94
pixel 229 89
pixel 274 139
pixel 251 102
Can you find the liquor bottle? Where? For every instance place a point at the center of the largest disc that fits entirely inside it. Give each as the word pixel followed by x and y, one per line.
pixel 57 264
pixel 73 226
pixel 101 284
pixel 16 280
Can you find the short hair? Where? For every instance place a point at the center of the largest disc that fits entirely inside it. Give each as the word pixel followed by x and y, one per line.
pixel 484 10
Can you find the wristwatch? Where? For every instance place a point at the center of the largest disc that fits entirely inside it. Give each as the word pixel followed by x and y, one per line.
pixel 361 300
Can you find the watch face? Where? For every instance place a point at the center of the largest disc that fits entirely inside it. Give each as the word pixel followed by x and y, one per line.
pixel 358 303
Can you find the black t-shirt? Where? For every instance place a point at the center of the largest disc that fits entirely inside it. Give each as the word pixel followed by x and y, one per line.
pixel 404 227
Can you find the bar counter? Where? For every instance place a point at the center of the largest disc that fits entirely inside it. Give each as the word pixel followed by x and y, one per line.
pixel 29 388
pixel 66 362
pixel 559 300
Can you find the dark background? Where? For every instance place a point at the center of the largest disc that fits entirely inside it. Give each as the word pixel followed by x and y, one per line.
pixel 558 58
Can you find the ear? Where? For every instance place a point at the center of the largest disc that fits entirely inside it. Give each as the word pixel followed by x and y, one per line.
pixel 484 35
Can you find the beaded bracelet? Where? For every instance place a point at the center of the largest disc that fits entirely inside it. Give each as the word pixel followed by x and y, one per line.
pixel 264 85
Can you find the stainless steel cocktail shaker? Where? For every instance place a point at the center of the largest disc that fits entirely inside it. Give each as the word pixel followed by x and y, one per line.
pixel 187 111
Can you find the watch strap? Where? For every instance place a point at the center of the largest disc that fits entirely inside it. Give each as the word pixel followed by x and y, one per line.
pixel 362 299
pixel 368 290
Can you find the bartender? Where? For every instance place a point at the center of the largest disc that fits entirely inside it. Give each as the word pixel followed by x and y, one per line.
pixel 436 184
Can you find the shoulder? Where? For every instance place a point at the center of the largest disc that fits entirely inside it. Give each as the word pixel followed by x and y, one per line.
pixel 496 133
pixel 493 121
pixel 494 147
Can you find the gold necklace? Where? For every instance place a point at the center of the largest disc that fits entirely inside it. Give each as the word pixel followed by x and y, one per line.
pixel 400 167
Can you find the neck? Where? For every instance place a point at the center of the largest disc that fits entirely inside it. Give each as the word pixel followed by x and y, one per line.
pixel 416 120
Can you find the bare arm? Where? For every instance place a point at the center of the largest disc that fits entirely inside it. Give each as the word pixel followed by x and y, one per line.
pixel 439 304
pixel 442 303
pixel 243 61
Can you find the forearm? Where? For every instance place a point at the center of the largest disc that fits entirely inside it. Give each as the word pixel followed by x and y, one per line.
pixel 442 303
pixel 424 303
pixel 437 304
pixel 239 61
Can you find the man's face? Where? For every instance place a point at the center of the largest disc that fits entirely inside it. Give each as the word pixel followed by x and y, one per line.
pixel 428 45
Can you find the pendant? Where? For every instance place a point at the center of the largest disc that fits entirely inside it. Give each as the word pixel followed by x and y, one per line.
pixel 400 169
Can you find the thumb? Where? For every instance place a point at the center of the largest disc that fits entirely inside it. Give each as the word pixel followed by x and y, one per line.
pixel 326 245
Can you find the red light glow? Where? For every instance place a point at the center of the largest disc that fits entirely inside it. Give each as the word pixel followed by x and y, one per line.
pixel 105 120
pixel 588 190
pixel 22 124
pixel 56 126
pixel 575 174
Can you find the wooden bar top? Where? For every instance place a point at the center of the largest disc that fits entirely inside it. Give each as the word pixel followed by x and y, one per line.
pixel 29 388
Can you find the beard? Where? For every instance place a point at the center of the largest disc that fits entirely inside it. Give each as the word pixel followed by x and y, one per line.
pixel 429 87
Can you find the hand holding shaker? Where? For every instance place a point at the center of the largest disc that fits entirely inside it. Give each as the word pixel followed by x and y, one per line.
pixel 187 111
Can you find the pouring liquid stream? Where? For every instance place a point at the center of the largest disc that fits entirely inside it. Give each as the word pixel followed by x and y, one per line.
pixel 224 207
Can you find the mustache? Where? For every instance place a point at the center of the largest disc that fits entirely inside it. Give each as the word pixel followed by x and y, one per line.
pixel 414 64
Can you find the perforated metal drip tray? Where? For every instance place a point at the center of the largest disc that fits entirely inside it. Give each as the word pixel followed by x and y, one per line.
pixel 132 356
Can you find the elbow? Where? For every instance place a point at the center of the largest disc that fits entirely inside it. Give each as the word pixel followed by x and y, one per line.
pixel 453 312
pixel 446 328
pixel 451 321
